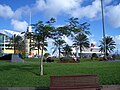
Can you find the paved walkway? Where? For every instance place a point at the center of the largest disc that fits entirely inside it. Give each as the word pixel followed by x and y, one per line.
pixel 111 61
pixel 114 61
pixel 111 87
pixel 105 87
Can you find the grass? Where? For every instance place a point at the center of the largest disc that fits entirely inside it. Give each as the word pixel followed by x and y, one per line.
pixel 27 74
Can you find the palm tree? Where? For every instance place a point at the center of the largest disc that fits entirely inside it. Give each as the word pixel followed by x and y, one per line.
pixel 83 29
pixel 58 43
pixel 58 34
pixel 76 30
pixel 29 35
pixel 77 49
pixel 38 43
pixel 81 40
pixel 110 45
pixel 67 51
pixel 44 32
pixel 18 43
pixel 74 27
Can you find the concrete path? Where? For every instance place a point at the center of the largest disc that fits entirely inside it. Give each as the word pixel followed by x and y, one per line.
pixel 114 61
pixel 105 87
pixel 111 61
pixel 111 87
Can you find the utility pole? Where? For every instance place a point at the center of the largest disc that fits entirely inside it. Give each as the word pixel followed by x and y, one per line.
pixel 103 26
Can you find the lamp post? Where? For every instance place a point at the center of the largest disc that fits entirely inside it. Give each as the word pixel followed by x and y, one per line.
pixel 103 26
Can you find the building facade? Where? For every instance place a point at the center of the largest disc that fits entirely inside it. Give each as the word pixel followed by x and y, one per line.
pixel 5 43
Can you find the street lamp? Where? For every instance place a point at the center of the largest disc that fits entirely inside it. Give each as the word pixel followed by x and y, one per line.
pixel 103 26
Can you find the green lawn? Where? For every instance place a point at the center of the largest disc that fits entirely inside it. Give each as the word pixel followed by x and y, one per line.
pixel 27 74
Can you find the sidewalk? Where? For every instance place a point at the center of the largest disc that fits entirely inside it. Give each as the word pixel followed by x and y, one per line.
pixel 105 87
pixel 111 87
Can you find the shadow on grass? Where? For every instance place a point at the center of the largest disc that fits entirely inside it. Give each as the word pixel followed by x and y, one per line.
pixel 23 68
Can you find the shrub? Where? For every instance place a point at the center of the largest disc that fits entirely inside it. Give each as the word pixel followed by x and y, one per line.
pixel 94 56
pixel 67 59
pixel 49 59
pixel 22 56
pixel 113 56
pixel 46 55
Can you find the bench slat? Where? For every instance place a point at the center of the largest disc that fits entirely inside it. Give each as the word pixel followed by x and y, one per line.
pixel 71 82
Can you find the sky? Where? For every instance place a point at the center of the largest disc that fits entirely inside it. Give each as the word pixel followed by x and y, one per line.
pixel 14 15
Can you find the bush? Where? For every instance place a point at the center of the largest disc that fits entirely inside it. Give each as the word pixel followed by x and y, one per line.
pixel 94 56
pixel 49 59
pixel 46 55
pixel 23 56
pixel 113 56
pixel 67 59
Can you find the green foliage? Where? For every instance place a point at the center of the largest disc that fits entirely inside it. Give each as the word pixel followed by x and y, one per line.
pixel 75 28
pixel 67 50
pixel 58 43
pixel 46 55
pixel 23 56
pixel 66 59
pixel 18 43
pixel 94 55
pixel 81 41
pixel 110 45
pixel 1 54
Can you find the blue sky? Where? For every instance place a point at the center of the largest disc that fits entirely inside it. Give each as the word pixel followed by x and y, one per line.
pixel 14 15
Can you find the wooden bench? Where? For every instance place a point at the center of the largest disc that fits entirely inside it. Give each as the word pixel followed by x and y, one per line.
pixel 79 82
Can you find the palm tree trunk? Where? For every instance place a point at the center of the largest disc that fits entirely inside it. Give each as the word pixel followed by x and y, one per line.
pixel 14 49
pixel 30 45
pixel 59 52
pixel 38 51
pixel 14 43
pixel 76 55
pixel 38 48
pixel 80 52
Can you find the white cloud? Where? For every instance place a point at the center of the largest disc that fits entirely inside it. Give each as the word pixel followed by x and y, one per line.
pixel 70 7
pixel 117 39
pixel 6 11
pixel 113 14
pixel 19 25
pixel 117 42
pixel 55 7
pixel 90 11
pixel 40 5
pixel 22 11
pixel 107 1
